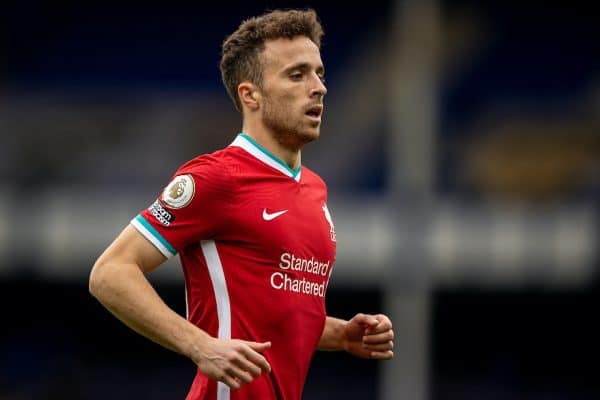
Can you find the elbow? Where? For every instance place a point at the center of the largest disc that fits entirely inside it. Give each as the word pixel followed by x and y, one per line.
pixel 98 279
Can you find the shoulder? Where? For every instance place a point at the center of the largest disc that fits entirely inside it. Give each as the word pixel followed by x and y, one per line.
pixel 211 172
pixel 312 177
pixel 219 164
pixel 216 161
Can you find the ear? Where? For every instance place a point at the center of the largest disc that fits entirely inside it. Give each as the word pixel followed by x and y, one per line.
pixel 249 95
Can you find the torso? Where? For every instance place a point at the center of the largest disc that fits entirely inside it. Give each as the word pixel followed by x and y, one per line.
pixel 259 272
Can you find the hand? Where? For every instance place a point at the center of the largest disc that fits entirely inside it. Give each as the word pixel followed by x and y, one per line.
pixel 369 336
pixel 234 362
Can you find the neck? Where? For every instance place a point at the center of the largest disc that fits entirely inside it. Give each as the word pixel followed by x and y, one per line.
pixel 275 145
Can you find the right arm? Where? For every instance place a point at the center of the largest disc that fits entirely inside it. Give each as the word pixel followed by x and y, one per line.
pixel 118 281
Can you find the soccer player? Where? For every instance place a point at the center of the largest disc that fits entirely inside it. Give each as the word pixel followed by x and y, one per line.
pixel 253 232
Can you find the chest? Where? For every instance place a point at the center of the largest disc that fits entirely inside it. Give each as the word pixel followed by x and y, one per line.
pixel 279 215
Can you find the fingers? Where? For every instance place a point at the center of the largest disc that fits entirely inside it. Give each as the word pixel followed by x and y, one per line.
pixel 230 381
pixel 383 324
pixel 373 323
pixel 236 362
pixel 383 337
pixel 247 365
pixel 235 377
pixel 379 346
pixel 260 347
pixel 378 338
pixel 255 359
pixel 364 319
pixel 379 342
pixel 382 355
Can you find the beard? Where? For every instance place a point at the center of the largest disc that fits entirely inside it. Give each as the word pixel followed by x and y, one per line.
pixel 288 130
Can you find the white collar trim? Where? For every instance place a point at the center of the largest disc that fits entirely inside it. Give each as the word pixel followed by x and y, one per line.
pixel 247 143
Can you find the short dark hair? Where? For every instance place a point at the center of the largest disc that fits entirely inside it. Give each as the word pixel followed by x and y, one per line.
pixel 240 59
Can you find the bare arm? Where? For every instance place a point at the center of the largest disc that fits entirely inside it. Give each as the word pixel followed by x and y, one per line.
pixel 333 334
pixel 118 281
pixel 366 336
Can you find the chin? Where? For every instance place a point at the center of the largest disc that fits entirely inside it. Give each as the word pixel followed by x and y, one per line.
pixel 310 135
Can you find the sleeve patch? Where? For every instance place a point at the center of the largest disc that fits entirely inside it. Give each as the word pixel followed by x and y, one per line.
pixel 179 192
pixel 163 216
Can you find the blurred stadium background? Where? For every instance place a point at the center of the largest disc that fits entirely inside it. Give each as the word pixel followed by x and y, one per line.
pixel 461 143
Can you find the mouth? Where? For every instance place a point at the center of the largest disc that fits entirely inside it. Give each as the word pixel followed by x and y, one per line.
pixel 315 112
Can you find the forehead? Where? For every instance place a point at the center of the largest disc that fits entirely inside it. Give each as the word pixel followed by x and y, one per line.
pixel 282 53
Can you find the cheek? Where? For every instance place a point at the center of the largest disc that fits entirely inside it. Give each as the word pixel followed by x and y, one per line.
pixel 283 101
pixel 288 95
pixel 282 104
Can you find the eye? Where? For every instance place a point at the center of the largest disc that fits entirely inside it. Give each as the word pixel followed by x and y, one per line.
pixel 296 76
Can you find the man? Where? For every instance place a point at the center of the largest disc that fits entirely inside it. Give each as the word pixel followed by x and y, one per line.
pixel 253 231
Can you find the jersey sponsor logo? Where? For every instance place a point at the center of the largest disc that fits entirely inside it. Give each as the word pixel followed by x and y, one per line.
pixel 179 192
pixel 271 216
pixel 161 215
pixel 289 261
pixel 292 267
pixel 330 221
pixel 287 282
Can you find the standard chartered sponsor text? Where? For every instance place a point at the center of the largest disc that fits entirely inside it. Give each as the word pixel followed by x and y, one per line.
pixel 289 282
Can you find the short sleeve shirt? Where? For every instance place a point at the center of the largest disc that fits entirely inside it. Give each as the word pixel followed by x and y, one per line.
pixel 257 246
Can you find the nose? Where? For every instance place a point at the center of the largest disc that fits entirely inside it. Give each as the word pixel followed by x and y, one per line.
pixel 318 88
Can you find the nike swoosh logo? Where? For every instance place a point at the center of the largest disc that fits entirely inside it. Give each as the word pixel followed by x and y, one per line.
pixel 270 216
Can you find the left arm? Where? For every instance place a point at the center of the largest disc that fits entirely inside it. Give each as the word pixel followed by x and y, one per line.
pixel 366 336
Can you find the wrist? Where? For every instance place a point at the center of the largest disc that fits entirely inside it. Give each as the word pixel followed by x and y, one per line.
pixel 334 336
pixel 341 342
pixel 198 345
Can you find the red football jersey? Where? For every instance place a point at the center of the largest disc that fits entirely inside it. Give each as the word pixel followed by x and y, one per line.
pixel 257 246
